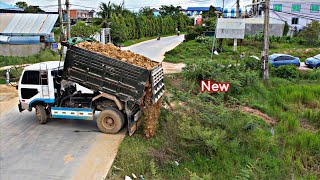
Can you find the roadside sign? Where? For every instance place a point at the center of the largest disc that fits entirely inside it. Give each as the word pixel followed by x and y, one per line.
pixel 230 28
pixel 54 46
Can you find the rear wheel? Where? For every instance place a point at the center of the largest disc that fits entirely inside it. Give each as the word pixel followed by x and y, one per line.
pixel 110 120
pixel 41 114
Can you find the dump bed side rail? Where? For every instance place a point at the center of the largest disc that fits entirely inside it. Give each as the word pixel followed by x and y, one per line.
pixel 101 73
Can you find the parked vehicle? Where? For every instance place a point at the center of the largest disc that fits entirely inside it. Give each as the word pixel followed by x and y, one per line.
pixel 313 62
pixel 283 59
pixel 118 89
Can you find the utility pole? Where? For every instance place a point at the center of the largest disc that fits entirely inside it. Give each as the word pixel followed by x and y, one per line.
pixel 266 40
pixel 60 21
pixel 222 8
pixel 237 9
pixel 68 19
pixel 235 41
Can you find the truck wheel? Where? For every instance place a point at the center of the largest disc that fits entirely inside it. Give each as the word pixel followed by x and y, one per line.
pixel 110 120
pixel 41 114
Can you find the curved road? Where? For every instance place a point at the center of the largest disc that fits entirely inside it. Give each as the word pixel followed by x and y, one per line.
pixel 155 50
pixel 61 149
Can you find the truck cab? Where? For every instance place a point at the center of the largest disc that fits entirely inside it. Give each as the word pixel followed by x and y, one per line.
pixel 36 85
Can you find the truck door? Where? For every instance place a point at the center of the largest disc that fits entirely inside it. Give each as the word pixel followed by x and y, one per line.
pixel 33 87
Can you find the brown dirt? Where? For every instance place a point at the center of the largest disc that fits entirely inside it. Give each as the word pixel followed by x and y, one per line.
pixel 171 68
pixel 305 124
pixel 112 51
pixel 8 98
pixel 151 114
pixel 256 112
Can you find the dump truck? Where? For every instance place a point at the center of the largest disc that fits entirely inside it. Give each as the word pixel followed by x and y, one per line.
pixel 117 89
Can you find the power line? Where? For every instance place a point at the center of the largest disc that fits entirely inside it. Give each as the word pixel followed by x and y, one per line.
pixel 299 15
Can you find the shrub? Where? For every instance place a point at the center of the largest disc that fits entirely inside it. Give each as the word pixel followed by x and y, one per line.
pixel 194 32
pixel 203 39
pixel 286 72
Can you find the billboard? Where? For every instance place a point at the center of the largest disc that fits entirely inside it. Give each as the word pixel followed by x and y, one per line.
pixel 230 28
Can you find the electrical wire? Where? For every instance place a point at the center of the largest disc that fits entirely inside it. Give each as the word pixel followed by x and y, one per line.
pixel 298 15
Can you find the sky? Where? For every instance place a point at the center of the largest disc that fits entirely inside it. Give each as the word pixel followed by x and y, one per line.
pixel 51 5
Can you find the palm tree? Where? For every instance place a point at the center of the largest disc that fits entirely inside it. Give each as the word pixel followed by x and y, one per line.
pixel 106 10
pixel 146 11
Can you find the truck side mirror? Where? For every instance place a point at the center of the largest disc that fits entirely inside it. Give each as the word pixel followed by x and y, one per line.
pixel 8 77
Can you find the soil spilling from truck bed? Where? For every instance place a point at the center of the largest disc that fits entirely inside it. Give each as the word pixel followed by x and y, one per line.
pixel 114 52
pixel 151 114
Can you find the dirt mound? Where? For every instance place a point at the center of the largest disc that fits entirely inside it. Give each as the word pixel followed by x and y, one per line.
pixel 114 52
pixel 265 117
pixel 151 114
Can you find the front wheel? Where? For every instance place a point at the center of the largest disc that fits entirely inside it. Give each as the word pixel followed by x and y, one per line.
pixel 110 120
pixel 41 114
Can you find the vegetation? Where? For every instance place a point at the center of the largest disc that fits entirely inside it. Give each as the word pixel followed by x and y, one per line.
pixel 27 8
pixel 45 55
pixel 203 135
pixel 81 29
pixel 200 49
pixel 126 25
pixel 311 33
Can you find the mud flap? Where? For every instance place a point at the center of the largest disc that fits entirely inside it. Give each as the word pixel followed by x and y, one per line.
pixel 134 118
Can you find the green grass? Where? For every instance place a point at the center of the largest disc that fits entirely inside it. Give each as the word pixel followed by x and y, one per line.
pixel 136 41
pixel 46 55
pixel 192 51
pixel 212 139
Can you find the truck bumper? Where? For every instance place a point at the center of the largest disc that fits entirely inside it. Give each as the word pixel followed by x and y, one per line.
pixel 20 107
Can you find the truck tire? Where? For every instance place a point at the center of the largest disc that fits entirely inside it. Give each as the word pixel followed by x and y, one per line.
pixel 41 114
pixel 110 120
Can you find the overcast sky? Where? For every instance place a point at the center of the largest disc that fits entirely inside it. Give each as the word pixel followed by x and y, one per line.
pixel 129 4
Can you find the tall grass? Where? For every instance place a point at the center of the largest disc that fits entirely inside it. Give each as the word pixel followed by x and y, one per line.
pixel 46 55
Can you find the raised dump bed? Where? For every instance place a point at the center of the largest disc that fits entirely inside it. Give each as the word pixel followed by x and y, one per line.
pixel 119 78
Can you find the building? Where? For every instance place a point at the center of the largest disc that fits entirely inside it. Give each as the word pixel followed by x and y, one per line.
pixel 24 34
pixel 231 12
pixel 6 8
pixel 81 15
pixel 297 13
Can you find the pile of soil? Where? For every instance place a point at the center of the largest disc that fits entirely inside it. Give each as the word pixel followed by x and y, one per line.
pixel 114 52
pixel 151 114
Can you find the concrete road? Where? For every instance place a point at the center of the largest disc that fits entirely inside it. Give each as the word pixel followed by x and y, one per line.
pixel 155 50
pixel 60 149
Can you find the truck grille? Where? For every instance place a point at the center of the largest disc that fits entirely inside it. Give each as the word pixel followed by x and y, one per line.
pixel 157 83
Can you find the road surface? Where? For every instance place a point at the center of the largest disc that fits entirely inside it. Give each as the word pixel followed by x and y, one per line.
pixel 155 50
pixel 60 149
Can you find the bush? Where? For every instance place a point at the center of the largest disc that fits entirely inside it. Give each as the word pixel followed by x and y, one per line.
pixel 203 39
pixel 194 32
pixel 286 72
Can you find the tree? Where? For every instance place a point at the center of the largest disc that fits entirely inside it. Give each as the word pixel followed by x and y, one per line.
pixel 311 33
pixel 21 4
pixel 169 10
pixel 81 29
pixel 211 13
pixel 146 11
pixel 33 9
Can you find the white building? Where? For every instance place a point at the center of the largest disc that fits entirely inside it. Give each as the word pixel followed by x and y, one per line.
pixel 297 13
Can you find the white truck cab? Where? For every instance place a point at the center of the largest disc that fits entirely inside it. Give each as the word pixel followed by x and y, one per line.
pixel 36 85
